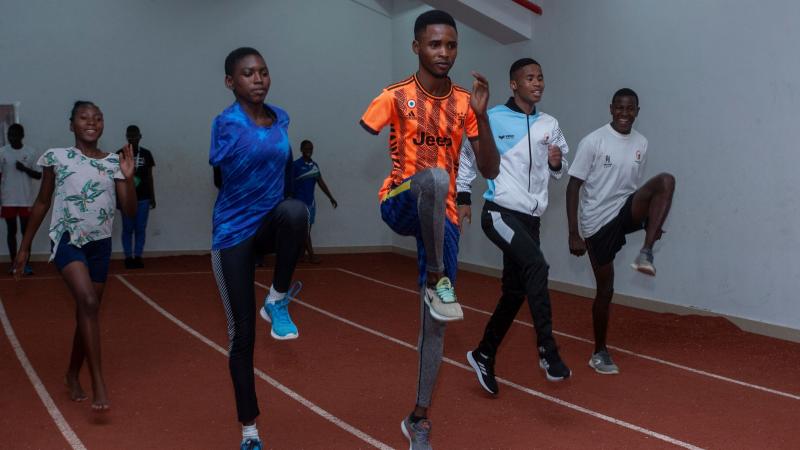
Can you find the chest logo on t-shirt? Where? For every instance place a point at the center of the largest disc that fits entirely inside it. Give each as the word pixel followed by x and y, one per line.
pixel 427 139
pixel 638 157
pixel 607 162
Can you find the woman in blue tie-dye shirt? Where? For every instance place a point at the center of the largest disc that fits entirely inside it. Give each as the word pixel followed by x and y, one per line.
pixel 253 216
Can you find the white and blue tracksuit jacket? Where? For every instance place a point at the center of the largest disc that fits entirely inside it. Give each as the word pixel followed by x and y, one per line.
pixel 522 140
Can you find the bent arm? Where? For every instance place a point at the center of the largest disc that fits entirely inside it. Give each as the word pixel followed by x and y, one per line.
pixel 486 154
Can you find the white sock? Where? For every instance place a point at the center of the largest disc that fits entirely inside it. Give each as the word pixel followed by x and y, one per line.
pixel 275 296
pixel 249 432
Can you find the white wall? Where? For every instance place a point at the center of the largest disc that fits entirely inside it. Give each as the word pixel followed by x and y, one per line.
pixel 719 92
pixel 160 65
pixel 717 81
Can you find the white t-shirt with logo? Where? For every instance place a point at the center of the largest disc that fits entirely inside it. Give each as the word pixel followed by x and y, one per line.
pixel 16 186
pixel 611 165
pixel 85 195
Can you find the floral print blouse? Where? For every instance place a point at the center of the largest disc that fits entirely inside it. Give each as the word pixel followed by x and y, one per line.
pixel 85 196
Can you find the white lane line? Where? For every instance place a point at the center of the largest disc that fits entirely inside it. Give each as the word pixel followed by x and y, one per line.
pixel 524 389
pixel 621 350
pixel 49 404
pixel 292 394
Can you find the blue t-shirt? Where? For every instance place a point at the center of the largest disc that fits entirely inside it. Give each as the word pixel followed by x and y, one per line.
pixel 305 176
pixel 253 161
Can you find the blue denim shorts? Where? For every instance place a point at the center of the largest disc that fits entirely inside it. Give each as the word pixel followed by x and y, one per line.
pixel 96 255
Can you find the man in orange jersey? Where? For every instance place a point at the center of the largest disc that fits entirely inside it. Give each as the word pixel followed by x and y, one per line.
pixel 428 116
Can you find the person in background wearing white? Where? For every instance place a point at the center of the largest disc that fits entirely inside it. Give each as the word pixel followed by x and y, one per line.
pixel 16 188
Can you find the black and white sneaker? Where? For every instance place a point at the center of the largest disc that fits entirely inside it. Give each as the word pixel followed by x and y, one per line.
pixel 554 368
pixel 484 368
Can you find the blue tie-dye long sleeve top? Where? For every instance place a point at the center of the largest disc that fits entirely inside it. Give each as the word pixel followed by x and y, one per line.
pixel 253 162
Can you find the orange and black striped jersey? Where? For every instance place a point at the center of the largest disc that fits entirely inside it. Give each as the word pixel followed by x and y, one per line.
pixel 426 131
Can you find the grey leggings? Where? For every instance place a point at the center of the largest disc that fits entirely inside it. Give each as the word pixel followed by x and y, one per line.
pixel 431 347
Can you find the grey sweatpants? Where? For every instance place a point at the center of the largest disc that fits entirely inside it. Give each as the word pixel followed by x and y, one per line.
pixel 431 348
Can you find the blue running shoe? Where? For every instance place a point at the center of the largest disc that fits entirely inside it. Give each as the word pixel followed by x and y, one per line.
pixel 277 313
pixel 251 444
pixel 28 270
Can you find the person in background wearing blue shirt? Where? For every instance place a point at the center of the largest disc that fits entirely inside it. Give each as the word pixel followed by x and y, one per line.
pixel 306 174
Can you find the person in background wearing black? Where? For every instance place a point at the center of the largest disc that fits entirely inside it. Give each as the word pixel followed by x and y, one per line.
pixel 134 228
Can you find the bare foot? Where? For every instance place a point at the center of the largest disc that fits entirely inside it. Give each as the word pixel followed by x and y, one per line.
pixel 100 406
pixel 100 402
pixel 76 393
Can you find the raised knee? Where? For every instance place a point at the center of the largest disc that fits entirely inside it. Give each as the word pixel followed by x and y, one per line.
pixel 440 177
pixel 667 181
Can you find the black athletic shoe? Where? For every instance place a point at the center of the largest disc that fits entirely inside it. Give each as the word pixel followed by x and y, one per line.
pixel 484 368
pixel 129 264
pixel 138 263
pixel 553 366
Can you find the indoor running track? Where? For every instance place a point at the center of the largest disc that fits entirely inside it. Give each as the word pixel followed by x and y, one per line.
pixel 686 381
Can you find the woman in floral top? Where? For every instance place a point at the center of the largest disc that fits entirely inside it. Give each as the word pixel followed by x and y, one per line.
pixel 86 182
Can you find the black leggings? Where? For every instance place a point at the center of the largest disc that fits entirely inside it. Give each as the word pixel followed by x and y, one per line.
pixel 282 232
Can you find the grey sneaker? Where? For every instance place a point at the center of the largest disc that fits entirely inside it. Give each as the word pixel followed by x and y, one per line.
pixel 442 302
pixel 644 263
pixel 417 433
pixel 601 362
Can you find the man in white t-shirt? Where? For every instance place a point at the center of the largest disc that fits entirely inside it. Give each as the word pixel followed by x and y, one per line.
pixel 16 186
pixel 606 177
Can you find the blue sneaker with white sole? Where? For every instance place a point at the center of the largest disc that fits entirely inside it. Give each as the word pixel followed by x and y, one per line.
pixel 277 313
pixel 251 444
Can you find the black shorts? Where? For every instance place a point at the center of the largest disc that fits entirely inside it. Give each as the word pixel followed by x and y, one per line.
pixel 604 245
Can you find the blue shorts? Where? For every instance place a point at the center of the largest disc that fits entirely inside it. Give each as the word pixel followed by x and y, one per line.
pixel 399 211
pixel 96 255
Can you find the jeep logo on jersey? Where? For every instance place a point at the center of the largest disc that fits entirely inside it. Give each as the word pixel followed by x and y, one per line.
pixel 503 137
pixel 427 139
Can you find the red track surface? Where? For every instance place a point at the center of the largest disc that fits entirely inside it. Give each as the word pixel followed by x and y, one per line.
pixel 169 389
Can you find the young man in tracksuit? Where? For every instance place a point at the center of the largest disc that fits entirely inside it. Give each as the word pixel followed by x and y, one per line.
pixel 532 149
